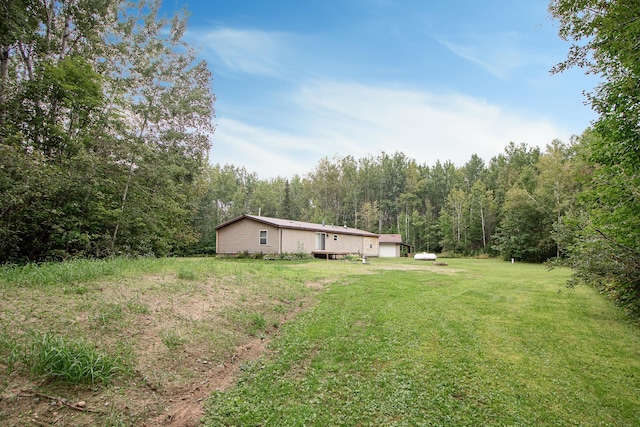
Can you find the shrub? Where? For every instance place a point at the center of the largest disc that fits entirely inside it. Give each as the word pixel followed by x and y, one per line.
pixel 288 256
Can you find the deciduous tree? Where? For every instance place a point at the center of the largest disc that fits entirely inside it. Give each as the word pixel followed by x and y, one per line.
pixel 604 37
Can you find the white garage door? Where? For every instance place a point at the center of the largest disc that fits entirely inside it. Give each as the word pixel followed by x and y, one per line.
pixel 388 250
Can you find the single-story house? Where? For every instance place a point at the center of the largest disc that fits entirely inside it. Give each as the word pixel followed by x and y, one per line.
pixel 391 245
pixel 260 234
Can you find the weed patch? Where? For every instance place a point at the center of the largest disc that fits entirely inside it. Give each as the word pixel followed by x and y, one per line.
pixel 173 339
pixel 166 333
pixel 71 361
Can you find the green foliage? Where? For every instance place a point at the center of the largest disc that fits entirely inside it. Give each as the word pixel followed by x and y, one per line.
pixel 604 36
pixel 288 256
pixel 613 269
pixel 523 233
pixel 59 359
pixel 104 131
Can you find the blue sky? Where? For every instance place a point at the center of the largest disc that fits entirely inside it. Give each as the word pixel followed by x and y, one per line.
pixel 299 80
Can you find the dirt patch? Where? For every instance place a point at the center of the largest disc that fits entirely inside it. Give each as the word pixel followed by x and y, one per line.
pixel 184 405
pixel 188 339
pixel 177 405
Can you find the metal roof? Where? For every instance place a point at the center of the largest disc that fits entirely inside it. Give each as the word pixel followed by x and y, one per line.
pixel 391 238
pixel 300 225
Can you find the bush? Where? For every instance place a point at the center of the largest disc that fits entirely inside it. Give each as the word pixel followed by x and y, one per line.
pixel 610 268
pixel 299 256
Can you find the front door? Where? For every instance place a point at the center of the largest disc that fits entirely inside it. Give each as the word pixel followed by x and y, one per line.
pixel 320 241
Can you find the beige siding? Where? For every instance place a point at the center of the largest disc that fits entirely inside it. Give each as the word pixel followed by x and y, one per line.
pixel 344 243
pixel 370 246
pixel 298 241
pixel 294 241
pixel 244 235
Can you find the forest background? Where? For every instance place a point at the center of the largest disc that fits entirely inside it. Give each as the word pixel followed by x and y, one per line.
pixel 106 115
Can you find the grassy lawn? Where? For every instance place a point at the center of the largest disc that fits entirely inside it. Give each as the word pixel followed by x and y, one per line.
pixel 478 342
pixel 316 343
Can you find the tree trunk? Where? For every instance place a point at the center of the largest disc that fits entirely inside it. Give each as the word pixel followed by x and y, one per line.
pixel 49 24
pixel 484 235
pixel 65 33
pixel 125 193
pixel 4 78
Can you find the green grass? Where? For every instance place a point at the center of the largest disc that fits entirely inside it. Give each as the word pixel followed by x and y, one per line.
pixel 491 343
pixel 134 333
pixel 173 339
pixel 69 272
pixel 71 361
pixel 393 342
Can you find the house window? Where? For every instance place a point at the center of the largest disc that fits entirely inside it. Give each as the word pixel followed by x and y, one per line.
pixel 335 237
pixel 263 237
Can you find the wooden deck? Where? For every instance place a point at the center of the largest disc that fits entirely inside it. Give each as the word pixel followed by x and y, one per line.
pixel 329 254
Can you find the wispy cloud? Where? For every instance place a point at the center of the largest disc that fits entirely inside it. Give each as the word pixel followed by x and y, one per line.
pixel 247 51
pixel 265 151
pixel 331 118
pixel 499 54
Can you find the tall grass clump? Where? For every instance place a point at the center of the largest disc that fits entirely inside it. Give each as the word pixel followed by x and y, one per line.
pixel 57 273
pixel 9 350
pixel 186 274
pixel 70 361
pixel 76 271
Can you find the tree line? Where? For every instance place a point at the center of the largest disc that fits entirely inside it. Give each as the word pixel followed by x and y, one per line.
pixel 514 206
pixel 106 115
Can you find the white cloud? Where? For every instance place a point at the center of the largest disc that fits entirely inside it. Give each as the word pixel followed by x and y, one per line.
pixel 248 51
pixel 334 118
pixel 267 152
pixel 499 54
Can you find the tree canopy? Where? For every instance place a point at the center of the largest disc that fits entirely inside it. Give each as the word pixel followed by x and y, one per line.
pixel 605 38
pixel 104 129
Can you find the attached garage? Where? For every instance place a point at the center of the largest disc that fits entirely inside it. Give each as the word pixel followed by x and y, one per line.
pixel 391 245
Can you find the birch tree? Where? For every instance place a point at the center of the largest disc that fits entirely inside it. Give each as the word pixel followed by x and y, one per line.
pixel 108 114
